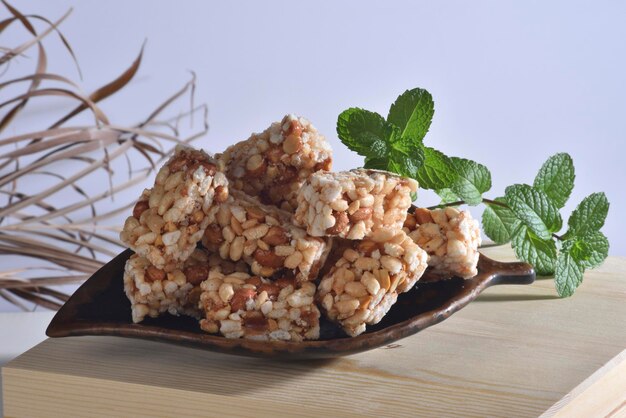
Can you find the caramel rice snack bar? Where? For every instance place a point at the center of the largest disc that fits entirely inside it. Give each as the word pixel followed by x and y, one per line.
pixel 152 291
pixel 450 237
pixel 352 204
pixel 169 219
pixel 264 237
pixel 274 164
pixel 240 305
pixel 364 283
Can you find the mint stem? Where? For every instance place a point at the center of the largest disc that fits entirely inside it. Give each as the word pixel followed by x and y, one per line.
pixel 486 201
pixel 496 203
pixel 445 205
pixel 462 202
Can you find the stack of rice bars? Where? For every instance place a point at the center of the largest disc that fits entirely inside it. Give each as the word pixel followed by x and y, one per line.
pixel 238 241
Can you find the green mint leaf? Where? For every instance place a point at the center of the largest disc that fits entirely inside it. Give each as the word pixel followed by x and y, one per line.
pixel 406 164
pixel 535 209
pixel 568 274
pixel 499 222
pixel 365 132
pixel 395 167
pixel 578 249
pixel 556 178
pixel 447 196
pixel 534 250
pixel 409 164
pixel 412 112
pixel 368 134
pixel 397 162
pixel 405 145
pixel 590 250
pixel 376 163
pixel 437 171
pixel 472 180
pixel 599 249
pixel 589 216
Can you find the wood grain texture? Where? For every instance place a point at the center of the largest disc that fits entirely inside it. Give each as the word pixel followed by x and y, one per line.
pixel 601 394
pixel 515 351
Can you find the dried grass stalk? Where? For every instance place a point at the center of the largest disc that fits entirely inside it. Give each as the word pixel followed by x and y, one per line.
pixel 61 224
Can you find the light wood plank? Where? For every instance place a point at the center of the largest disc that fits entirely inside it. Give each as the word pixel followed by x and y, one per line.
pixel 603 394
pixel 514 352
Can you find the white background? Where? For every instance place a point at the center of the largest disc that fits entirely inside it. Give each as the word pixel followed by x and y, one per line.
pixel 513 82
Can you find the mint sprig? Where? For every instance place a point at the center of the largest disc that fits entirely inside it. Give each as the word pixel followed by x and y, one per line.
pixel 448 197
pixel 595 249
pixel 366 133
pixel 437 171
pixel 535 209
pixel 556 178
pixel 589 216
pixel 381 143
pixel 412 112
pixel 499 221
pixel 473 179
pixel 527 216
pixel 569 274
pixel 541 253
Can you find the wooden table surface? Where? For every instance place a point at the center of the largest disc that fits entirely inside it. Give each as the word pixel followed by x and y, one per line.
pixel 515 351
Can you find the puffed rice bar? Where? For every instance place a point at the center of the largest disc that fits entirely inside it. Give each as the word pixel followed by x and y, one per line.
pixel 152 291
pixel 241 305
pixel 364 283
pixel 264 237
pixel 273 164
pixel 450 237
pixel 352 204
pixel 169 219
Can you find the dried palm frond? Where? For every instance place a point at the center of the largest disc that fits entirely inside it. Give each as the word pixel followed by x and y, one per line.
pixel 57 222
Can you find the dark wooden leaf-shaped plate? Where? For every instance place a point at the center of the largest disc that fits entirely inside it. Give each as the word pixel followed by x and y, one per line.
pixel 100 307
